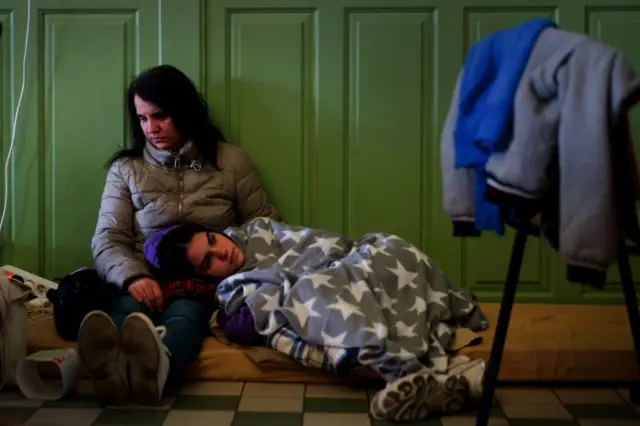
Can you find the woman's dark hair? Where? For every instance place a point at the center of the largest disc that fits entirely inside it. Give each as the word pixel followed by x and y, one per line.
pixel 176 95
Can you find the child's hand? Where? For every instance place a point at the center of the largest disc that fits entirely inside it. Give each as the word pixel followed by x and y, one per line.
pixel 146 290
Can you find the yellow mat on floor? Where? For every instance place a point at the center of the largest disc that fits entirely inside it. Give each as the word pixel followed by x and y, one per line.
pixel 544 343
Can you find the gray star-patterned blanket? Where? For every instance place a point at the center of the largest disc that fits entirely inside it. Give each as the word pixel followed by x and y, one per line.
pixel 378 296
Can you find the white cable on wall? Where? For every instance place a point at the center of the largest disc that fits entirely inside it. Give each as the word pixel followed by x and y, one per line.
pixel 15 118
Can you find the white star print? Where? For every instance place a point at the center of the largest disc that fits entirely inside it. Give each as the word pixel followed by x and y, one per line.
pixel 392 238
pixel 272 302
pixel 387 302
pixel 267 236
pixel 294 235
pixel 333 340
pixel 304 311
pixel 346 309
pixel 468 309
pixel 272 325
pixel 247 289
pixel 318 280
pixel 261 257
pixel 420 256
pixel 435 296
pixel 424 346
pixel 457 294
pixel 286 287
pixel 378 329
pixel 404 330
pixel 442 329
pixel 403 354
pixel 290 252
pixel 358 288
pixel 375 250
pixel 419 305
pixel 326 244
pixel 364 265
pixel 405 278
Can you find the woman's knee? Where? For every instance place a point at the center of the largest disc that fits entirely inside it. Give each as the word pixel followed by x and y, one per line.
pixel 185 327
pixel 195 311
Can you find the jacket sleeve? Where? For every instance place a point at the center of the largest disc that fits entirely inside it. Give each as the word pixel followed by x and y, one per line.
pixel 596 82
pixel 251 197
pixel 113 243
pixel 458 184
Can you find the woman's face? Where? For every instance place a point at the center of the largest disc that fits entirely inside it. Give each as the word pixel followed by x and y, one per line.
pixel 214 254
pixel 157 127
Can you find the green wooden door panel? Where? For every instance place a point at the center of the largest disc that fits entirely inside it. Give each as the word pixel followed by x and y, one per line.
pixel 265 97
pixel 20 234
pixel 6 96
pixel 342 127
pixel 80 134
pixel 82 57
pixel 619 28
pixel 389 112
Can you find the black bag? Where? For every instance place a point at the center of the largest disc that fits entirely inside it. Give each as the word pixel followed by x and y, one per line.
pixel 79 293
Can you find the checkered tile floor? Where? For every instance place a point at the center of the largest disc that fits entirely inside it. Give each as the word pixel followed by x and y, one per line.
pixel 244 404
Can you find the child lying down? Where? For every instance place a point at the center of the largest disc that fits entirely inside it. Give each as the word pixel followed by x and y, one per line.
pixel 376 301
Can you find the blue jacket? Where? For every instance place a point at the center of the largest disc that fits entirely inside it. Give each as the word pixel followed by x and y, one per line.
pixel 492 71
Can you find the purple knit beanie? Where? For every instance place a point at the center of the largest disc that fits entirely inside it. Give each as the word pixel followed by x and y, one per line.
pixel 151 246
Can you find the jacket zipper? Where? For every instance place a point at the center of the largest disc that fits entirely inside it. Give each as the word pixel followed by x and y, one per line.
pixel 180 191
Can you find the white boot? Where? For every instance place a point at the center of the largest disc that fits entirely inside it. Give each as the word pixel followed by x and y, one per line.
pixel 99 351
pixel 147 356
pixel 414 397
pixel 472 370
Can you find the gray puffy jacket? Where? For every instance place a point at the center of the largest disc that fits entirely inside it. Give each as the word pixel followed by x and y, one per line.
pixel 142 195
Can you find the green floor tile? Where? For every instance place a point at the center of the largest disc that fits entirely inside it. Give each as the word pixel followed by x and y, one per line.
pixel 19 413
pixel 430 422
pixel 335 405
pixel 206 402
pixel 75 401
pixel 131 417
pixel 602 411
pixel 543 422
pixel 267 419
pixel 496 411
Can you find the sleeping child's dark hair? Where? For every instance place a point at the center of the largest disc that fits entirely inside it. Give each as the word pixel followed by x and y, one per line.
pixel 166 250
pixel 172 250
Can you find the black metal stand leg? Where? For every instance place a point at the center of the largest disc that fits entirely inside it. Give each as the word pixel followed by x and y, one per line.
pixel 508 297
pixel 631 301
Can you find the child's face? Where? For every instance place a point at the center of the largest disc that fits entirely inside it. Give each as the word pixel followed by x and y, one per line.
pixel 214 254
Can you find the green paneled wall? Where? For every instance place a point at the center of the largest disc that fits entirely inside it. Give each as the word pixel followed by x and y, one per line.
pixel 339 103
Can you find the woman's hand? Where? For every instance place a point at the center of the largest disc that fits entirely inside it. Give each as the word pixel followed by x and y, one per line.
pixel 146 290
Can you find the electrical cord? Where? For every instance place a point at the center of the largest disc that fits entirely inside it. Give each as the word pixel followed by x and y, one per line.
pixel 15 118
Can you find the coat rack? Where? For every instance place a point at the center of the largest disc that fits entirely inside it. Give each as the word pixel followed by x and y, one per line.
pixel 523 230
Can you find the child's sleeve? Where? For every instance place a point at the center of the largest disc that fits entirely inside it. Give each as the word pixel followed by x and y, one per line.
pixel 239 327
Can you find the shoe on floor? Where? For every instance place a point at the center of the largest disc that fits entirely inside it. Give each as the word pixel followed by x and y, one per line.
pixel 472 370
pixel 419 395
pixel 147 358
pixel 99 351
